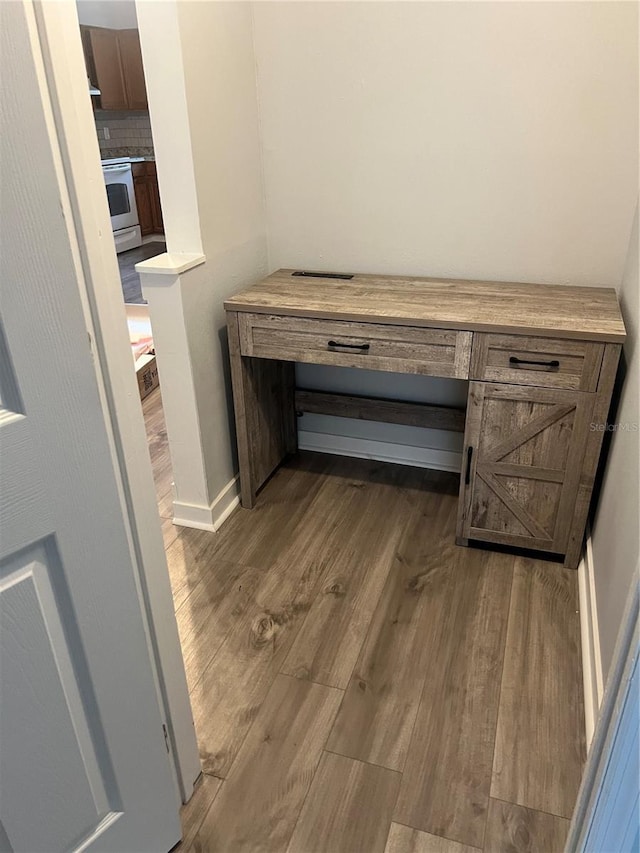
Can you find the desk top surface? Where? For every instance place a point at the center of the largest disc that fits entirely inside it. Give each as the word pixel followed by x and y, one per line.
pixel 586 313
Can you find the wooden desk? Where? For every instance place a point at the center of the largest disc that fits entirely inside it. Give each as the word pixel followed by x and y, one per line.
pixel 541 360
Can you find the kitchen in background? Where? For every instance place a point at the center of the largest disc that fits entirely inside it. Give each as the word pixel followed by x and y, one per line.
pixel 124 133
pixel 116 84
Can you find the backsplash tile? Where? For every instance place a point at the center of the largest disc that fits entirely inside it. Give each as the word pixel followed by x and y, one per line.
pixel 130 133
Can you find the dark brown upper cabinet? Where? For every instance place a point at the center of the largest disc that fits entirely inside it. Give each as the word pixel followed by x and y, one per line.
pixel 114 64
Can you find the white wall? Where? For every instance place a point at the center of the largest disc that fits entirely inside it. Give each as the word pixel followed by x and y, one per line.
pixel 496 140
pixel 200 71
pixel 616 527
pixel 219 71
pixel 491 140
pixel 113 14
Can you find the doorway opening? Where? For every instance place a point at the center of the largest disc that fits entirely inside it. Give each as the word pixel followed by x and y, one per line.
pixel 116 85
pixel 280 610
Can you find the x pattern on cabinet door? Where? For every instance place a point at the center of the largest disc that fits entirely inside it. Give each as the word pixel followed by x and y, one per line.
pixel 527 444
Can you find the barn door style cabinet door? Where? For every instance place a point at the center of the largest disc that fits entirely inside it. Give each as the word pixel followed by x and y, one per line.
pixel 532 442
pixel 523 454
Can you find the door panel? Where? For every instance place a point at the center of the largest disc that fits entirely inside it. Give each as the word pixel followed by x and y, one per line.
pixel 83 759
pixel 43 687
pixel 143 203
pixel 108 65
pixel 525 448
pixel 131 56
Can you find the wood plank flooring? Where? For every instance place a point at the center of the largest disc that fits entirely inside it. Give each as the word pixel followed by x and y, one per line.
pixel 259 803
pixel 511 827
pixel 404 839
pixel 447 776
pixel 377 717
pixel 349 807
pixel 359 683
pixel 129 278
pixel 541 700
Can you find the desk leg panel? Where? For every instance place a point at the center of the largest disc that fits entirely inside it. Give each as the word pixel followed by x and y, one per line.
pixel 593 446
pixel 263 401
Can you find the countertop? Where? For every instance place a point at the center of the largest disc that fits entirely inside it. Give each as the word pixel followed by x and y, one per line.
pixel 584 313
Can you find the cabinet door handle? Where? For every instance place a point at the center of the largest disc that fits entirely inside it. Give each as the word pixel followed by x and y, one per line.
pixel 363 347
pixel 467 473
pixel 517 361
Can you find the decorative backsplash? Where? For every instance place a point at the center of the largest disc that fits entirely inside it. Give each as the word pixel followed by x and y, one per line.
pixel 129 133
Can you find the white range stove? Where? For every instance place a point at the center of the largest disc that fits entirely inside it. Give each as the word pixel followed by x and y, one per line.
pixel 118 180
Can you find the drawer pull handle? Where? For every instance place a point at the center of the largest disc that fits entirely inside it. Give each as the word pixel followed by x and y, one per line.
pixel 517 361
pixel 467 473
pixel 363 347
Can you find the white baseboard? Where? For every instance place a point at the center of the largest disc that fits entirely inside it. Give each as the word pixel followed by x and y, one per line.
pixel 590 641
pixel 202 517
pixel 385 451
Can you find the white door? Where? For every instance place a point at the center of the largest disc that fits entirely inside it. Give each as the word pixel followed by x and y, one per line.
pixel 83 760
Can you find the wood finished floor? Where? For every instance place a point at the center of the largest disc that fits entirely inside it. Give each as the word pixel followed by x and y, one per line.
pixel 129 278
pixel 361 684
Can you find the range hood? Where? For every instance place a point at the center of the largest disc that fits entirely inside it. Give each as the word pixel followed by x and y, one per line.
pixel 92 89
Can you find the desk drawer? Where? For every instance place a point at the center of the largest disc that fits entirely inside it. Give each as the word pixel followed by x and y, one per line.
pixel 545 362
pixel 399 349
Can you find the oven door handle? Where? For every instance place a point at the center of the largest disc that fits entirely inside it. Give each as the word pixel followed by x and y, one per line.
pixel 116 168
